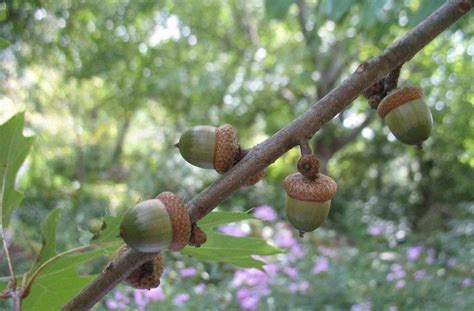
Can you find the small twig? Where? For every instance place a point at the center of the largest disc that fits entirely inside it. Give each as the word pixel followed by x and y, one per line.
pixel 391 80
pixel 17 295
pixel 377 91
pixel 305 148
pixel 12 282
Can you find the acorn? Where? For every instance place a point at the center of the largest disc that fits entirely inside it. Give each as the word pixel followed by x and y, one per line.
pixel 308 201
pixel 210 147
pixel 146 276
pixel 406 115
pixel 255 178
pixel 198 236
pixel 157 224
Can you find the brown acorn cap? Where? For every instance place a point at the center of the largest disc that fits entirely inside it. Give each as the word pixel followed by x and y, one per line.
pixel 254 179
pixel 397 98
pixel 321 189
pixel 147 275
pixel 179 217
pixel 226 148
pixel 309 165
pixel 198 237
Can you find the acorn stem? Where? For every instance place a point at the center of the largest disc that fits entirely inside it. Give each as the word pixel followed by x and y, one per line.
pixel 301 233
pixel 241 154
pixel 305 148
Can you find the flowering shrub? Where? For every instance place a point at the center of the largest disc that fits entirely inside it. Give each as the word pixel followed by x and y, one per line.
pixel 324 269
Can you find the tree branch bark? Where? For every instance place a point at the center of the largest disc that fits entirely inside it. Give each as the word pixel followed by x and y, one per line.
pixel 304 127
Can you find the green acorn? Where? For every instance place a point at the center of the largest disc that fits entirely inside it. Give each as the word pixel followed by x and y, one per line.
pixel 308 201
pixel 157 224
pixel 210 147
pixel 406 115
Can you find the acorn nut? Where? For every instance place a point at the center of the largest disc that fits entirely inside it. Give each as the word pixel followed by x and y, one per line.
pixel 210 147
pixel 157 224
pixel 146 276
pixel 406 115
pixel 308 201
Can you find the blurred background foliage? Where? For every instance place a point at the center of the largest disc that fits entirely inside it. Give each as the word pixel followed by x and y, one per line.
pixel 108 86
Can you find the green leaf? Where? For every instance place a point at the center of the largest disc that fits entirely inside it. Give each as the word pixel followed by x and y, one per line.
pixel 48 291
pixel 109 232
pixel 13 151
pixel 229 249
pixel 277 9
pixel 48 235
pixel 335 10
pixel 59 282
pixel 425 8
pixel 370 10
pixel 4 43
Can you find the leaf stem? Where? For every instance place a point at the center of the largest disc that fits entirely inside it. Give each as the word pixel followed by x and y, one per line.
pixel 9 261
pixel 54 258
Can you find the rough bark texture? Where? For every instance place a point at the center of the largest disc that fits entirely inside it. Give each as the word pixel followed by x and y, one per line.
pixel 304 127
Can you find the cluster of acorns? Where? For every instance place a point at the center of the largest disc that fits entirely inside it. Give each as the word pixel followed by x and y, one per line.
pixel 161 223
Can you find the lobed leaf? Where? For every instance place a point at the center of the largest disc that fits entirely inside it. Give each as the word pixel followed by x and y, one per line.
pixel 48 291
pixel 13 151
pixel 237 251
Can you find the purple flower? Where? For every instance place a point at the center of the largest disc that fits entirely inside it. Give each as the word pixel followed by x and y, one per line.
pixel 200 288
pixel 296 252
pixel 181 299
pixel 285 239
pixel 304 286
pixel 452 262
pixel 120 301
pixel 271 269
pixel 144 297
pixel 420 275
pixel 187 272
pixel 291 272
pixel 466 283
pixel 121 297
pixel 430 258
pixel 233 229
pixel 392 308
pixel 293 288
pixel 111 304
pixel 140 301
pixel 414 252
pixel 266 212
pixel 321 265
pixel 376 230
pixel 248 299
pixel 396 273
pixel 249 277
pixel 400 284
pixel 155 294
pixel 327 251
pixel 362 307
